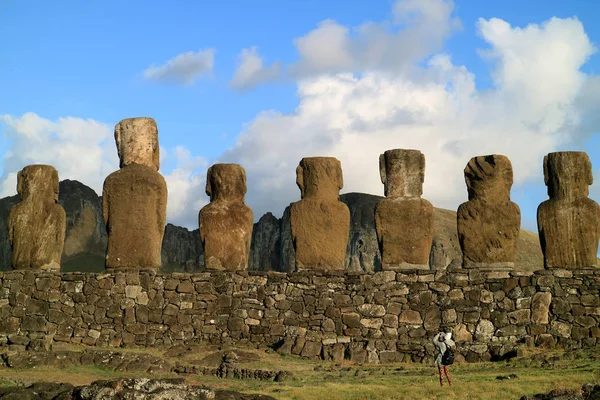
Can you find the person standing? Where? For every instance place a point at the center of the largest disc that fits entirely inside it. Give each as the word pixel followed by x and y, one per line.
pixel 443 341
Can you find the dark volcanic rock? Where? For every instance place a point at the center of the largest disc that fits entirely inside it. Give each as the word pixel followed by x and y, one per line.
pixel 265 250
pixel 86 232
pixel 363 250
pixel 181 249
pixel 121 389
pixel 5 251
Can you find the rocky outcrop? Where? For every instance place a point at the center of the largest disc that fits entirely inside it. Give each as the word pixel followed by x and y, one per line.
pixel 181 250
pixel 265 249
pixel 114 389
pixel 588 391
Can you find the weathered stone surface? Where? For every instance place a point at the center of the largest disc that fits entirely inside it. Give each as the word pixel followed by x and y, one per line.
pixel 181 250
pixel 540 308
pixel 265 248
pixel 363 315
pixel 134 199
pixel 151 389
pixel 320 222
pixel 488 224
pixel 569 222
pixel 404 221
pixel 226 222
pixel 37 225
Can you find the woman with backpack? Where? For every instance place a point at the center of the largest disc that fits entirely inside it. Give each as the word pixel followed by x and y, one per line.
pixel 444 346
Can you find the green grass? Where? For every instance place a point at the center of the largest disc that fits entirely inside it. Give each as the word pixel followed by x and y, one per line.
pixel 538 372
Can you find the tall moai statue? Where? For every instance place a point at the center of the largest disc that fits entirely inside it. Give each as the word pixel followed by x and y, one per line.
pixel 226 222
pixel 489 223
pixel 569 222
pixel 320 222
pixel 37 225
pixel 134 199
pixel 403 220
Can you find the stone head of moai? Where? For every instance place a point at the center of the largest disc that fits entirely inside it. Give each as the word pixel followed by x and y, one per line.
pixel 567 174
pixel 134 198
pixel 320 178
pixel 38 183
pixel 569 222
pixel 402 172
pixel 226 222
pixel 489 178
pixel 37 224
pixel 226 182
pixel 320 222
pixel 137 142
pixel 489 223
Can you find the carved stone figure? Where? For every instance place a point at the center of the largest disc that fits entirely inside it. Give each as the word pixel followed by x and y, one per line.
pixel 569 222
pixel 403 220
pixel 226 222
pixel 37 225
pixel 320 222
pixel 134 199
pixel 489 223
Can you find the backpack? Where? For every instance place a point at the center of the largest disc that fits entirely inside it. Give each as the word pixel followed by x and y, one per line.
pixel 448 356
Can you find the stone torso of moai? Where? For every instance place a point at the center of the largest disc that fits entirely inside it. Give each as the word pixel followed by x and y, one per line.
pixel 569 222
pixel 489 223
pixel 37 225
pixel 403 220
pixel 320 222
pixel 134 199
pixel 226 222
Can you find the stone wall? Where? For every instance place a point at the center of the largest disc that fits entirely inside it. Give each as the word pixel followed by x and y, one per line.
pixel 386 316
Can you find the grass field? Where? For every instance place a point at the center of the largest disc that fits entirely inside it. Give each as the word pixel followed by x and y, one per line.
pixel 537 372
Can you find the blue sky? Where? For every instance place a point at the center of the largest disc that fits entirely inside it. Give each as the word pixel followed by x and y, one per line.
pixel 86 60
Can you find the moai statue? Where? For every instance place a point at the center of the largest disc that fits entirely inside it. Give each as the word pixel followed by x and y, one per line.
pixel 489 223
pixel 403 220
pixel 320 222
pixel 134 199
pixel 569 222
pixel 226 222
pixel 37 225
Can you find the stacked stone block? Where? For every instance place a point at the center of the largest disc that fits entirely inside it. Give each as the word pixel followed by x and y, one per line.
pixel 382 317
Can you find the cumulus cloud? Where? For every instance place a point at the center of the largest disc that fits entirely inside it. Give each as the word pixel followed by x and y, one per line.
pixel 418 28
pixel 84 150
pixel 80 149
pixel 250 70
pixel 186 184
pixel 183 69
pixel 532 108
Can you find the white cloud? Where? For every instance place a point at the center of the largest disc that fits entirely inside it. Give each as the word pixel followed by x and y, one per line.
pixel 84 150
pixel 80 149
pixel 533 108
pixel 250 70
pixel 418 28
pixel 184 69
pixel 186 183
